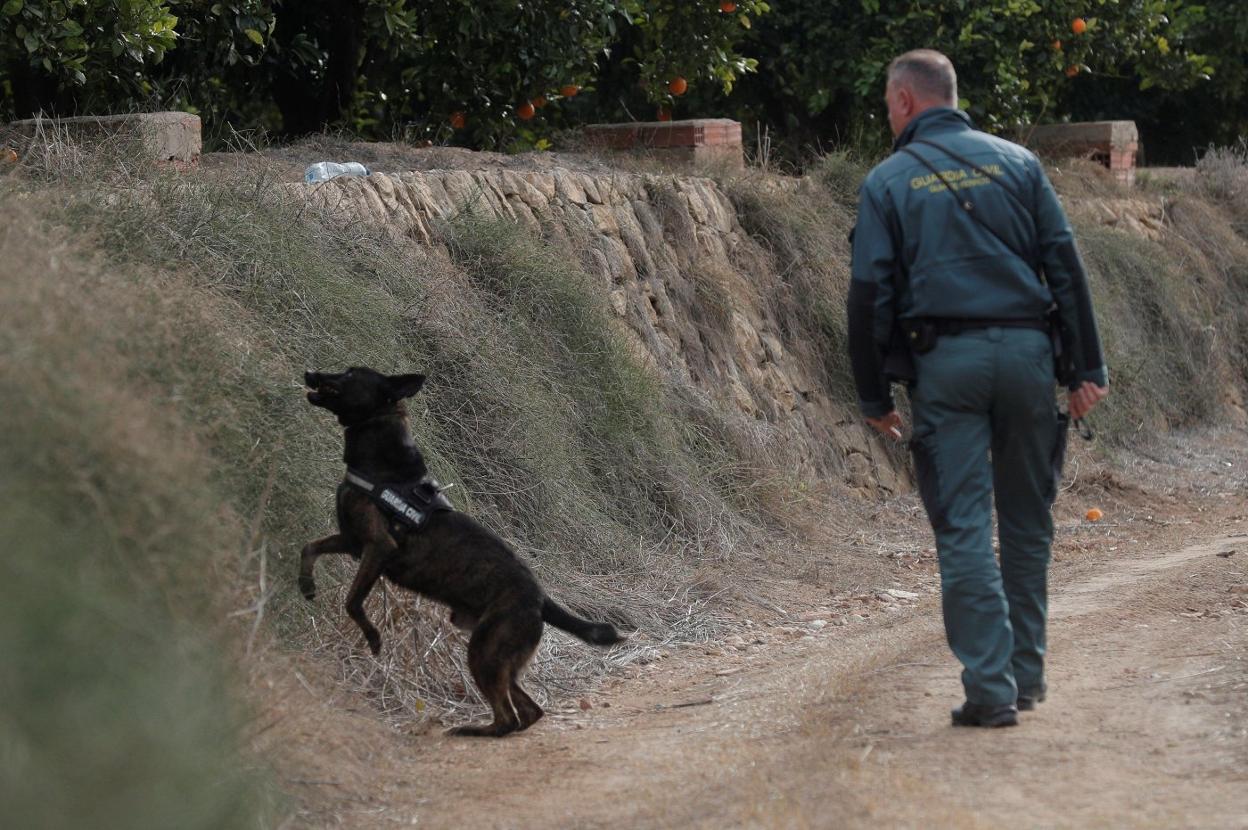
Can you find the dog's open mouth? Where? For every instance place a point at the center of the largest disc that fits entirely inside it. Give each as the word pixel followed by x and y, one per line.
pixel 319 392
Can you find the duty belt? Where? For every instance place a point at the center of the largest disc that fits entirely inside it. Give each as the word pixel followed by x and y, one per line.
pixel 957 325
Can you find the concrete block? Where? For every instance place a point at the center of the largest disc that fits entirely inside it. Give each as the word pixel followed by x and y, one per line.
pixel 168 138
pixel 1112 143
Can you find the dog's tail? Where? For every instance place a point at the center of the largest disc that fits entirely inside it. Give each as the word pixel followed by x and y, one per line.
pixel 598 634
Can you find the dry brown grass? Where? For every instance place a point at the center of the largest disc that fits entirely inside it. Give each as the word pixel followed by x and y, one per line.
pixel 191 305
pixel 1222 176
pixel 231 290
pixel 120 567
pixel 803 235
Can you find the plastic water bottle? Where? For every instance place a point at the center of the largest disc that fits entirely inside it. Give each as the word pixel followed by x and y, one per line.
pixel 323 171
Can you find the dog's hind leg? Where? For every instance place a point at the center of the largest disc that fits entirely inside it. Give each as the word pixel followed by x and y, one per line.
pixel 338 543
pixel 489 670
pixel 371 564
pixel 526 707
pixel 499 647
pixel 524 641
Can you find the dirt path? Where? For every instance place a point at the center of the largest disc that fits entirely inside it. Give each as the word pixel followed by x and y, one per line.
pixel 1146 724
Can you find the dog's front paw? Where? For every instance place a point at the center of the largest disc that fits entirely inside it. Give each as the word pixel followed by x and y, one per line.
pixel 307 586
pixel 374 641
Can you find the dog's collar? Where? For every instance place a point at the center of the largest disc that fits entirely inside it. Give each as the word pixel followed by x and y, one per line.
pixel 397 408
pixel 410 502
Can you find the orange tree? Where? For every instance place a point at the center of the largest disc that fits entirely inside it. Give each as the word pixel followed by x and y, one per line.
pixel 496 72
pixel 483 65
pixel 822 64
pixel 1176 125
pixel 478 72
pixel 79 56
pixel 56 55
pixel 673 49
pixel 212 71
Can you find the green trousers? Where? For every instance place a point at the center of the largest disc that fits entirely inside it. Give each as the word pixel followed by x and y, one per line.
pixel 986 427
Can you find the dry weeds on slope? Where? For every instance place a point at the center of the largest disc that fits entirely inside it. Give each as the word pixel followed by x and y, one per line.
pixel 192 304
pixel 623 490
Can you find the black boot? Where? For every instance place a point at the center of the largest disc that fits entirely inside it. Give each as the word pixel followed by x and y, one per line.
pixel 984 714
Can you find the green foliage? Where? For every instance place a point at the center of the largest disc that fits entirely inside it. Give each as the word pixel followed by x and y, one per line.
pixel 102 48
pixel 377 67
pixel 486 63
pixel 1178 124
pixel 822 65
pixel 425 61
pixel 70 39
pixel 454 71
pixel 688 40
pixel 698 43
pixel 1223 35
pixel 213 71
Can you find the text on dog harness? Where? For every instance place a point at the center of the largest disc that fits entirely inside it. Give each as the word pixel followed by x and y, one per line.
pixel 410 503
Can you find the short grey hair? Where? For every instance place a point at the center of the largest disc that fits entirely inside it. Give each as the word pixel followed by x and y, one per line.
pixel 928 72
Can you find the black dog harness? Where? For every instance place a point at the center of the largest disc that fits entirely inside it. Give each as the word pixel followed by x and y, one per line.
pixel 409 504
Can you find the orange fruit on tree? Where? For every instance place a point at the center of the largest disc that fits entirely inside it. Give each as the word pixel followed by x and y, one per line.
pixel 1094 515
pixel 569 90
pixel 1057 46
pixel 539 101
pixel 727 7
pixel 457 120
pixel 1078 25
pixel 1072 71
pixel 525 111
pixel 677 85
pixel 664 114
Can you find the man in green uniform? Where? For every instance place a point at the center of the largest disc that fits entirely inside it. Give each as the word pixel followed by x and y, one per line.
pixel 960 252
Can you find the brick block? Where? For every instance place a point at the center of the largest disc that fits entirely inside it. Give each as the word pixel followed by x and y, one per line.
pixel 1112 143
pixel 700 139
pixel 167 138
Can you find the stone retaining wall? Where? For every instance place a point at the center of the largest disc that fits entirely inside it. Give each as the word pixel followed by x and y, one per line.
pixel 692 291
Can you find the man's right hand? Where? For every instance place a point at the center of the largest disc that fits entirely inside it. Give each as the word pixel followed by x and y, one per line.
pixel 1085 398
pixel 888 425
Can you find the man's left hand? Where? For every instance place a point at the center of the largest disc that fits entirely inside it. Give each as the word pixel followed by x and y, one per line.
pixel 1085 398
pixel 887 425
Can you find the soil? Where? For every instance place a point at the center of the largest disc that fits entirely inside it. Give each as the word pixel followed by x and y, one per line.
pixel 828 706
pixel 384 157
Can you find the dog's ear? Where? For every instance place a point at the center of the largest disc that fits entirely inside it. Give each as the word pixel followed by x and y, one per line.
pixel 404 386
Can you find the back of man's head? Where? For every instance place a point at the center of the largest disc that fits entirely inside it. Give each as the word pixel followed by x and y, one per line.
pixel 928 74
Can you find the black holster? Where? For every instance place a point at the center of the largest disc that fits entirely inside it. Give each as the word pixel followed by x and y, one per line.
pixel 909 337
pixel 921 334
pixel 898 360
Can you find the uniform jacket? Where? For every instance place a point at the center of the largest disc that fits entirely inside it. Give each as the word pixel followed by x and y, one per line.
pixel 918 254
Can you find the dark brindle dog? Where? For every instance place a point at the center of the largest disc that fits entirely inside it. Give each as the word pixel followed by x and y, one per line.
pixel 449 558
